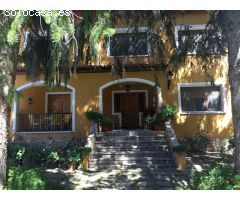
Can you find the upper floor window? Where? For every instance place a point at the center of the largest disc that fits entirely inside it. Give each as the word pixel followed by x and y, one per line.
pixel 191 32
pixel 129 42
pixel 30 36
pixel 201 98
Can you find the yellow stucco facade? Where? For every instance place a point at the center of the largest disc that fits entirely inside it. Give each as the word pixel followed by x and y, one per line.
pixel 87 97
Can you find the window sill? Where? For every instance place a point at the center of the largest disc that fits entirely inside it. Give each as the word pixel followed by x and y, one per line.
pixel 195 54
pixel 203 113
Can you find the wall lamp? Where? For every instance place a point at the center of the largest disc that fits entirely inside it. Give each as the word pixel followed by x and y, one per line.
pixel 29 100
pixel 157 85
pixel 128 87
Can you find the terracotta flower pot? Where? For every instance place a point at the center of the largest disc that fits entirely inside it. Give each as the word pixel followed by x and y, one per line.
pixel 106 128
pixel 72 166
pixel 180 158
pixel 157 127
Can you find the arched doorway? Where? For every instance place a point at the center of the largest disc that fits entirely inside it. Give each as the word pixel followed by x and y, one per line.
pixel 125 100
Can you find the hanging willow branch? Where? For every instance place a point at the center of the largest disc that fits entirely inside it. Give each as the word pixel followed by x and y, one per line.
pixel 102 27
pixel 46 45
pixel 64 43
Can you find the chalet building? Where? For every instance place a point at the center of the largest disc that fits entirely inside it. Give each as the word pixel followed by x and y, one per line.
pixel 43 113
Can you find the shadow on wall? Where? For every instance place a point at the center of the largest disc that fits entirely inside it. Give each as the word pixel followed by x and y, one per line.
pixel 82 124
pixel 195 71
pixel 215 125
pixel 186 125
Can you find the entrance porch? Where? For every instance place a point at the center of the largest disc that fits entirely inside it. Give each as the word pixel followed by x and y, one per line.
pixel 127 100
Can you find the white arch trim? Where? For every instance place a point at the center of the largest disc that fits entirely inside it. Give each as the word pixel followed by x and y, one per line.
pixel 123 80
pixel 41 84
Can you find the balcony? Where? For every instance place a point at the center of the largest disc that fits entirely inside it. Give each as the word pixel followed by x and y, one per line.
pixel 44 122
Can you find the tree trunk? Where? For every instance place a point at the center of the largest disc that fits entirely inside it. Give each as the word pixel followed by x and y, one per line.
pixel 233 34
pixel 3 140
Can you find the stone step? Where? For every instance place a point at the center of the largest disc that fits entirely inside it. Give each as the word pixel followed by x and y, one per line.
pixel 141 150
pixel 131 162
pixel 136 142
pixel 131 133
pixel 137 161
pixel 132 146
pixel 155 156
pixel 119 141
pixel 130 149
pixel 147 137
pixel 132 166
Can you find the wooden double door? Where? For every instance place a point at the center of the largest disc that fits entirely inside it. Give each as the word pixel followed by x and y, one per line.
pixel 131 105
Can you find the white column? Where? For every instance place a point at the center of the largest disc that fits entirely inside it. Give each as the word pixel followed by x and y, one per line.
pixel 101 100
pixel 73 109
pixel 15 108
pixel 159 97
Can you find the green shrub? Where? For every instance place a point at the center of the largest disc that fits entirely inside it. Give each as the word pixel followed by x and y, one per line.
pixel 23 179
pixel 93 116
pixel 21 151
pixel 106 122
pixel 86 149
pixel 215 178
pixel 17 154
pixel 149 112
pixel 180 148
pixel 198 143
pixel 53 157
pixel 73 157
pixel 45 155
pixel 156 119
pixel 231 143
pixel 40 154
pixel 168 112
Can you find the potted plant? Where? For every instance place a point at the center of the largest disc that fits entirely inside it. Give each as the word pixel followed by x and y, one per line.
pixel 148 117
pixel 85 154
pixel 157 123
pixel 106 124
pixel 53 159
pixel 94 118
pixel 73 159
pixel 168 112
pixel 180 156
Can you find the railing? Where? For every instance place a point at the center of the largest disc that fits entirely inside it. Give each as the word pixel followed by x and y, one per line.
pixel 89 144
pixel 171 136
pixel 44 122
pixel 180 157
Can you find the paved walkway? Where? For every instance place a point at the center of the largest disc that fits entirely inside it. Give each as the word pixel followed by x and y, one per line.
pixel 131 179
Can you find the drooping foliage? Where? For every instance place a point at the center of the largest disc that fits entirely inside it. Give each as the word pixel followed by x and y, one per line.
pixel 102 27
pixel 45 44
pixel 57 44
pixel 6 61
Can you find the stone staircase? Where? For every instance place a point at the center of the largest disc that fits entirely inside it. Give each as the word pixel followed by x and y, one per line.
pixel 144 151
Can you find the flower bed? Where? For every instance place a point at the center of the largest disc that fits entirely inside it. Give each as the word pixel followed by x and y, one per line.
pixel 47 155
